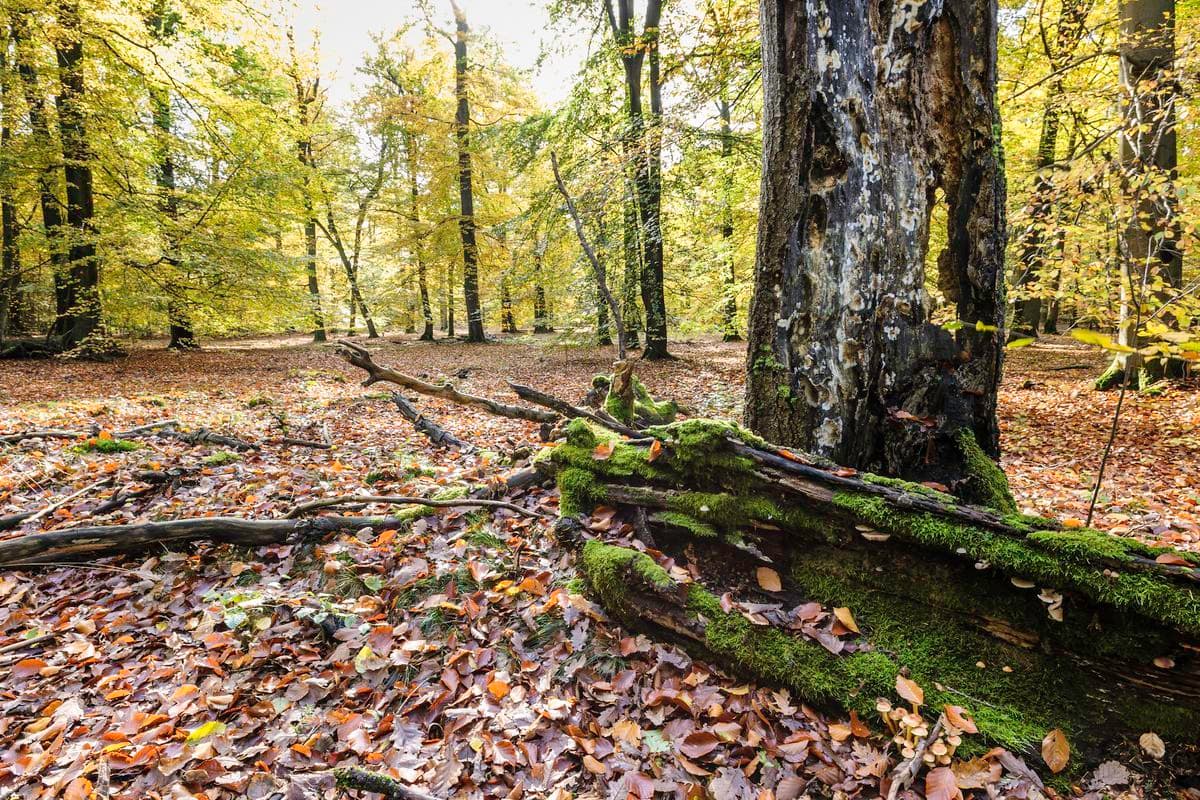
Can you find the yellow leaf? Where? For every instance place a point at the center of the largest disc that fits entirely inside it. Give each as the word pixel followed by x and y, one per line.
pixel 1099 340
pixel 1019 343
pixel 845 617
pixel 1056 751
pixel 768 579
pixel 209 728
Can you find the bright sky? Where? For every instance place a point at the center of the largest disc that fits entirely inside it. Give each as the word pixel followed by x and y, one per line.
pixel 520 26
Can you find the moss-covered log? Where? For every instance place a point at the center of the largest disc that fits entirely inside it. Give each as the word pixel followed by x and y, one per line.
pixel 1027 624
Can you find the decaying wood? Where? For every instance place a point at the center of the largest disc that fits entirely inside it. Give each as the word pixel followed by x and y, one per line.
pixel 361 358
pixel 439 436
pixel 365 781
pixel 529 394
pixel 72 544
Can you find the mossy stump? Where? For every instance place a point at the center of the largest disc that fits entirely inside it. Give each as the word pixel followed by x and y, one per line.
pixel 1028 625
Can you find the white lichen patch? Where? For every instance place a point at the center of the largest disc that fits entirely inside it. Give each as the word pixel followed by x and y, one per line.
pixel 829 433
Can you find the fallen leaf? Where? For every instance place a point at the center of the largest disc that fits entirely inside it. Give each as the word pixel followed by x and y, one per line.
pixel 845 617
pixel 959 718
pixel 768 579
pixel 909 690
pixel 1056 751
pixel 942 784
pixel 698 744
pixel 603 451
pixel 1152 745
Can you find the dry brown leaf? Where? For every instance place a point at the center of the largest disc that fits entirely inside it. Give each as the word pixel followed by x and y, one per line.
pixel 768 579
pixel 942 784
pixel 1056 750
pixel 961 719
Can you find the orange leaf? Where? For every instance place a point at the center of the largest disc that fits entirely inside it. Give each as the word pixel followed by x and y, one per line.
pixel 845 617
pixel 78 789
pixel 656 449
pixel 959 718
pixel 603 451
pixel 1072 522
pixel 105 436
pixel 909 690
pixel 1056 750
pixel 27 667
pixel 857 726
pixel 499 689
pixel 594 766
pixel 698 744
pixel 1174 559
pixel 768 579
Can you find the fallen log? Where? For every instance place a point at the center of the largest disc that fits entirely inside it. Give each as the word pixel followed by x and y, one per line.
pixel 439 436
pixel 357 779
pixel 1024 624
pixel 360 357
pixel 85 543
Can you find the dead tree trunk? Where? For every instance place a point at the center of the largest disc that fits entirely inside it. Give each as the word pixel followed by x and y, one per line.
pixel 864 107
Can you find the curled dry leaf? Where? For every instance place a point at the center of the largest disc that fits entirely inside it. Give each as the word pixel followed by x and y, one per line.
pixel 845 617
pixel 1152 745
pixel 1056 750
pixel 961 719
pixel 603 451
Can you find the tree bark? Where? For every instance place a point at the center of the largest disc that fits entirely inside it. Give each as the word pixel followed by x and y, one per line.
pixel 860 111
pixel 466 217
pixel 83 282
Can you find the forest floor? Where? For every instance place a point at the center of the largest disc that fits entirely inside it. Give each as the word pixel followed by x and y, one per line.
pixel 453 653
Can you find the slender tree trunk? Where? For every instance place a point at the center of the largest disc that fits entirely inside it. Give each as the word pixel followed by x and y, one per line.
pixel 83 286
pixel 306 98
pixel 450 278
pixel 466 219
pixel 646 148
pixel 310 267
pixel 508 320
pixel 179 320
pixel 48 177
pixel 631 314
pixel 1041 210
pixel 1148 241
pixel 11 317
pixel 541 312
pixel 843 360
pixel 729 324
pixel 414 219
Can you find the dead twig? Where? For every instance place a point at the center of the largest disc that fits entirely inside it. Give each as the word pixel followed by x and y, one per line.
pixel 366 499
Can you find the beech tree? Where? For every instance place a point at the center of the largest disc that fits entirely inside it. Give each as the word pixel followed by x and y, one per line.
pixel 866 119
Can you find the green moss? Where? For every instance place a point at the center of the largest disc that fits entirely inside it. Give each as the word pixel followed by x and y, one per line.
pixel 986 481
pixel 688 523
pixel 578 491
pixel 907 486
pixel 1040 559
pixel 609 569
pixel 221 458
pixel 107 446
pixel 643 406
